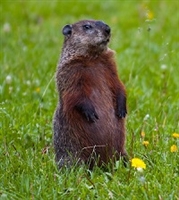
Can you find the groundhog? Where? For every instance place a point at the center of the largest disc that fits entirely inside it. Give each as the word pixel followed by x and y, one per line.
pixel 89 122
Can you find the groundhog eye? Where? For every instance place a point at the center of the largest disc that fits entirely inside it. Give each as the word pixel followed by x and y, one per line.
pixel 87 27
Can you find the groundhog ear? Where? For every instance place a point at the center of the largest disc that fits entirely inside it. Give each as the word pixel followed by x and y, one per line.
pixel 67 30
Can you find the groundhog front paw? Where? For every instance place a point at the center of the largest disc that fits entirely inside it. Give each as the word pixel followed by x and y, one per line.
pixel 88 112
pixel 121 109
pixel 91 116
pixel 121 112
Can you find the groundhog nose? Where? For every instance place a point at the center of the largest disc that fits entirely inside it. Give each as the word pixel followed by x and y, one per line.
pixel 104 26
pixel 107 29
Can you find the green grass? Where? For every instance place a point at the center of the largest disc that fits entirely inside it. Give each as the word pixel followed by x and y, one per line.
pixel 147 53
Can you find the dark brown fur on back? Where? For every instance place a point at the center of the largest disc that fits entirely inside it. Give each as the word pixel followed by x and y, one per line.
pixel 89 124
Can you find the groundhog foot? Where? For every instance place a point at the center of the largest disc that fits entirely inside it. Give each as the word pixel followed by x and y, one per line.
pixel 88 111
pixel 121 112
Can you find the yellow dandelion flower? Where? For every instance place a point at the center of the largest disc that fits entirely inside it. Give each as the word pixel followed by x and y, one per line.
pixel 145 143
pixel 138 163
pixel 142 134
pixel 150 15
pixel 174 148
pixel 175 135
pixel 37 90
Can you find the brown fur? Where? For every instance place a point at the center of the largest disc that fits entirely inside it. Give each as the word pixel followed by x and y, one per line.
pixel 89 124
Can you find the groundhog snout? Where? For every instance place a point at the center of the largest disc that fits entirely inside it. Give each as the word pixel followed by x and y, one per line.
pixel 104 26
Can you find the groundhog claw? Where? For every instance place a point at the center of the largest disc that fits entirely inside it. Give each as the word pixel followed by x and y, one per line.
pixel 121 113
pixel 91 116
pixel 88 111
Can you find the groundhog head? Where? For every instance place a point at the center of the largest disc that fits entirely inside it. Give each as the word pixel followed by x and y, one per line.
pixel 87 36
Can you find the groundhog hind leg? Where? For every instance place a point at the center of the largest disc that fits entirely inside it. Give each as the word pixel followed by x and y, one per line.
pixel 119 141
pixel 62 144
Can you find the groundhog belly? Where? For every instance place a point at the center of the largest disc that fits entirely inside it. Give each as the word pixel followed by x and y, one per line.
pixel 103 137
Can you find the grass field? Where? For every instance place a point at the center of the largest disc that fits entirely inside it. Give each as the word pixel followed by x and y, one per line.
pixel 145 36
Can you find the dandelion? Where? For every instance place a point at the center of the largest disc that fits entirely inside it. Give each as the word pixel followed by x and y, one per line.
pixel 163 66
pixel 28 82
pixel 147 116
pixel 145 143
pixel 8 79
pixel 149 15
pixel 142 134
pixel 174 148
pixel 6 27
pixel 175 135
pixel 37 90
pixel 138 163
